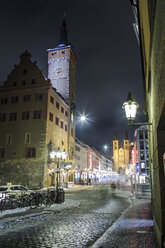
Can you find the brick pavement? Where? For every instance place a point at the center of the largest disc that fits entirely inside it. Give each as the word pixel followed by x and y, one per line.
pixel 134 229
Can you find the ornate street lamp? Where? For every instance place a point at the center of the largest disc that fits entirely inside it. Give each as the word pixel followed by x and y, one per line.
pixel 130 106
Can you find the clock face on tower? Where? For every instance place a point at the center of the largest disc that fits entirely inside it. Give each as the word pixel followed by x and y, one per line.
pixel 58 72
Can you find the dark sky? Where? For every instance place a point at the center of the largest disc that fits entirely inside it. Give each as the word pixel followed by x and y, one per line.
pixel 102 35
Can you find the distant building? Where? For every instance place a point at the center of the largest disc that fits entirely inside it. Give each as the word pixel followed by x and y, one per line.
pixel 120 154
pixel 90 163
pixel 36 117
pixel 141 148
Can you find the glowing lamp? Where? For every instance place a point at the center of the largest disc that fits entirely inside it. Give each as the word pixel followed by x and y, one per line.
pixel 52 154
pixel 130 107
pixel 58 153
pixel 64 155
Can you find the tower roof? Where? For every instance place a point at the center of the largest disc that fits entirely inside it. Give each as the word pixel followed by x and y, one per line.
pixel 115 135
pixel 63 41
pixel 126 135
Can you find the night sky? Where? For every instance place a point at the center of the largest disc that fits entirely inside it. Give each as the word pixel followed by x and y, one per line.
pixel 102 36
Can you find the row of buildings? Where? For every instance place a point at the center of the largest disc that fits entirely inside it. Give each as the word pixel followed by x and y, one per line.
pixel 132 158
pixel 37 119
pixel 150 29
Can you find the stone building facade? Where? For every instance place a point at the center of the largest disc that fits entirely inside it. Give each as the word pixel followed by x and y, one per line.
pixel 120 154
pixel 34 118
pixel 151 23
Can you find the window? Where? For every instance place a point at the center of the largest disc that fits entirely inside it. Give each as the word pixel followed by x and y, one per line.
pixel 57 121
pixel 140 135
pixel 54 54
pixel 4 100
pixel 50 116
pixel 14 99
pixel 142 165
pixel 27 138
pixel 141 145
pixel 25 115
pixel 57 105
pixel 77 148
pixel 142 157
pixel 23 82
pixel 72 131
pixel 27 98
pixel 62 110
pixel 63 52
pixel 8 139
pixel 146 134
pixel 24 71
pixel 62 124
pixel 13 116
pixel 38 97
pixel 52 99
pixel 66 113
pixel 33 81
pixel 37 114
pixel 2 117
pixel 31 152
pixel 14 84
pixel 66 128
pixel 2 152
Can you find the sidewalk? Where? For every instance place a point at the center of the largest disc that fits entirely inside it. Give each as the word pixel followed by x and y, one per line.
pixel 134 229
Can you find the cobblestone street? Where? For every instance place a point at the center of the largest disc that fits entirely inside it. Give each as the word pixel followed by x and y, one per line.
pixel 79 226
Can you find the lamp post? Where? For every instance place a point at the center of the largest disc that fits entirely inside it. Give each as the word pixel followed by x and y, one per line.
pixel 59 155
pixel 130 106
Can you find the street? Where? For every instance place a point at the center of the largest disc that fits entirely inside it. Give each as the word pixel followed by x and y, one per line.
pixel 79 226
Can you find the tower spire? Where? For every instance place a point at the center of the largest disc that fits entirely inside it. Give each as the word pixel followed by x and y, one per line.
pixel 126 135
pixel 115 135
pixel 63 35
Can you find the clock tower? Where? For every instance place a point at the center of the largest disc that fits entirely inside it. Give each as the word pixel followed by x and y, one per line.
pixel 62 67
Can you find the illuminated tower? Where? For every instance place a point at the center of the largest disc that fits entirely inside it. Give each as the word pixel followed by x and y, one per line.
pixel 116 152
pixel 62 67
pixel 126 150
pixel 62 74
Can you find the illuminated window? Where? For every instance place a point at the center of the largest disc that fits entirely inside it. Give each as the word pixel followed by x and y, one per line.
pixel 27 138
pixel 31 152
pixel 8 139
pixel 50 116
pixel 2 117
pixel 57 121
pixel 52 99
pixel 37 114
pixel 142 157
pixel 13 116
pixel 38 97
pixel 27 98
pixel 25 115
pixel 14 99
pixel 57 105
pixel 142 165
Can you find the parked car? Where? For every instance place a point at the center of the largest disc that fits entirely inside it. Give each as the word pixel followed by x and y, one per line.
pixel 13 189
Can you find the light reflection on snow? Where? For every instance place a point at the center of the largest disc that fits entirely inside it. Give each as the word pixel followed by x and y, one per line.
pixel 135 223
